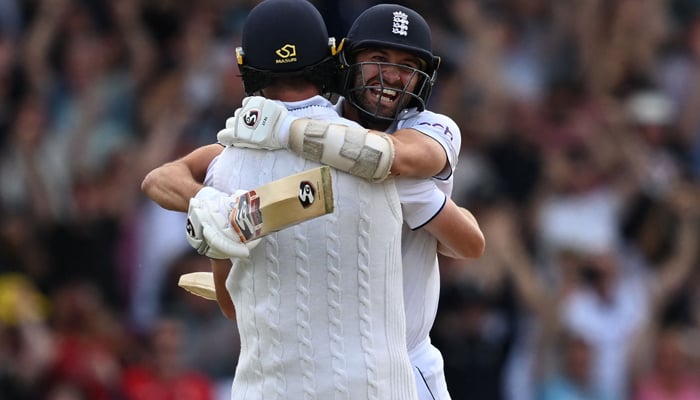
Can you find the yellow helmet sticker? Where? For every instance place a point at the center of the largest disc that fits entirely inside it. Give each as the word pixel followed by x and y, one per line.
pixel 287 54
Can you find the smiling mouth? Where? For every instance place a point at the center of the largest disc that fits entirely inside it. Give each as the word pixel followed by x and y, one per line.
pixel 385 95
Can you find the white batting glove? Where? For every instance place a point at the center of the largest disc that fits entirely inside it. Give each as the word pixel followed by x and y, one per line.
pixel 260 124
pixel 209 228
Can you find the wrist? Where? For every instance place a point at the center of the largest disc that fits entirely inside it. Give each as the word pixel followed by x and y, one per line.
pixel 207 193
pixel 284 129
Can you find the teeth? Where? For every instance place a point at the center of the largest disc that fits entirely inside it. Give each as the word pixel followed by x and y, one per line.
pixel 386 95
pixel 384 98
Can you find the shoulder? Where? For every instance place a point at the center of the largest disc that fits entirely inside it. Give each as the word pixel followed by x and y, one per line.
pixel 320 108
pixel 433 123
pixel 438 126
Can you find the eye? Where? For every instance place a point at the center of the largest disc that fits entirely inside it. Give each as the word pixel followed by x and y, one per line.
pixel 411 63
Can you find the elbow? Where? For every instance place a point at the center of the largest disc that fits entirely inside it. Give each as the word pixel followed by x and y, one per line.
pixel 147 183
pixel 475 249
pixel 476 241
pixel 472 248
pixel 478 245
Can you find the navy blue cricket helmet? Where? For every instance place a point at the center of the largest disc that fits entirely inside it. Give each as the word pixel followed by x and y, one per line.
pixel 389 26
pixel 283 39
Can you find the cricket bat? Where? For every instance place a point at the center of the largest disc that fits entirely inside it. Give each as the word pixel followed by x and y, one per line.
pixel 199 283
pixel 282 203
pixel 269 208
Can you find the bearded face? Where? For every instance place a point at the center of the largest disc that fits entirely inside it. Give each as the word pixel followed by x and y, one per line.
pixel 385 81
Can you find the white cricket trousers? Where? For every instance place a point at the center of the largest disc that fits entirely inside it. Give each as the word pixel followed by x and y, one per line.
pixel 429 371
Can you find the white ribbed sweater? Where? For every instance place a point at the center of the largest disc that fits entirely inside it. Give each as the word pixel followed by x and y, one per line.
pixel 320 305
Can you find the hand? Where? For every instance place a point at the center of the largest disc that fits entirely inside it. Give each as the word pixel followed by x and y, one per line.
pixel 260 124
pixel 209 228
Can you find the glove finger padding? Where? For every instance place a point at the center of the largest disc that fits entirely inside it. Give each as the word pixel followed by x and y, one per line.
pixel 260 123
pixel 209 229
pixel 226 240
pixel 195 231
pixel 253 243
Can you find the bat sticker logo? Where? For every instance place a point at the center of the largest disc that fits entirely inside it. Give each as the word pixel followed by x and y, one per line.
pixel 251 118
pixel 307 194
pixel 247 216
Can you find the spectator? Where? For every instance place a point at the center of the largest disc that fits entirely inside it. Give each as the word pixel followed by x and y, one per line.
pixel 160 374
pixel 573 378
pixel 672 376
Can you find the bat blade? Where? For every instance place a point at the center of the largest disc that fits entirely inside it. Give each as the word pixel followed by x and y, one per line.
pixel 199 283
pixel 282 203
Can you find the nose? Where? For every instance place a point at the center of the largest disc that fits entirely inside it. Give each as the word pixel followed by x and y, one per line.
pixel 391 74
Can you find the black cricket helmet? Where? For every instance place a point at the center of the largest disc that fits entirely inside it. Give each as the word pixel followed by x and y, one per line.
pixel 286 39
pixel 388 26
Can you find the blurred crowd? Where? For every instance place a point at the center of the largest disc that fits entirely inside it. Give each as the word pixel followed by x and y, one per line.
pixel 580 159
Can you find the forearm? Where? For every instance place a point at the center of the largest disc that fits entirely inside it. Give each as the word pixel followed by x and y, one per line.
pixel 409 152
pixel 41 33
pixel 351 149
pixel 171 186
pixel 221 270
pixel 458 233
pixel 139 43
pixel 369 154
pixel 416 154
